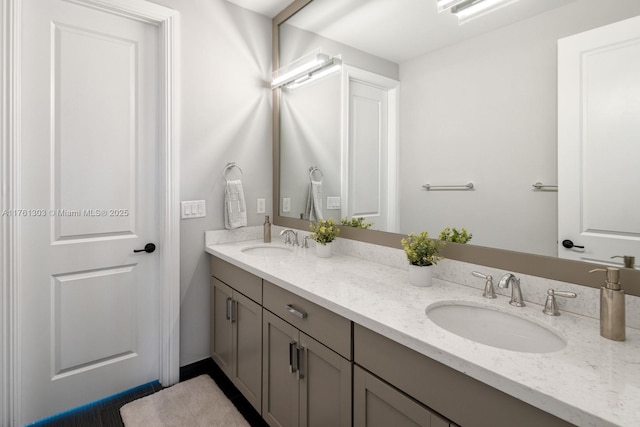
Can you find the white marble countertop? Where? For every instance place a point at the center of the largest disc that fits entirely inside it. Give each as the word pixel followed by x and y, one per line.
pixel 591 382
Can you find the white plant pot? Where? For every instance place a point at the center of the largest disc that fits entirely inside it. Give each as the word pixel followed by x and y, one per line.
pixel 420 276
pixel 323 251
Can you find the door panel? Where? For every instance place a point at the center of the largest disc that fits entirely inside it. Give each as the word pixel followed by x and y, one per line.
pixel 368 147
pixel 221 329
pixel 248 349
pixel 280 400
pixel 378 404
pixel 598 150
pixel 88 162
pixel 325 386
pixel 106 147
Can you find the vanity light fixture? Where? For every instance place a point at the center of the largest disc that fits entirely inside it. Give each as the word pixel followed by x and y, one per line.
pixel 333 66
pixel 467 10
pixel 444 5
pixel 305 69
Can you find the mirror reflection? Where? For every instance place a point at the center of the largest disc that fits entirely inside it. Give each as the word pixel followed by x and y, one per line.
pixel 422 101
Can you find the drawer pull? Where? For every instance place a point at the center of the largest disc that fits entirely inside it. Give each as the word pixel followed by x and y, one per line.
pixel 295 312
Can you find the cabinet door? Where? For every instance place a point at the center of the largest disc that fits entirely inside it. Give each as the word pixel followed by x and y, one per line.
pixel 325 385
pixel 279 384
pixel 377 404
pixel 246 318
pixel 221 343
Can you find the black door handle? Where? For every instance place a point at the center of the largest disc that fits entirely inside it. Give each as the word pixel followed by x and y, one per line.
pixel 148 248
pixel 569 244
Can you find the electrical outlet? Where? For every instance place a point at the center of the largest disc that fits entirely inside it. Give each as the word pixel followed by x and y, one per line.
pixel 286 204
pixel 262 206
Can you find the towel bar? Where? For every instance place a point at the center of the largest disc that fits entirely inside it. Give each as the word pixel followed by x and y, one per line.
pixel 230 166
pixel 313 169
pixel 540 186
pixel 468 186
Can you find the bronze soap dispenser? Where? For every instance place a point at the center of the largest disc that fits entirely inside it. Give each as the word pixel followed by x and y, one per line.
pixel 612 311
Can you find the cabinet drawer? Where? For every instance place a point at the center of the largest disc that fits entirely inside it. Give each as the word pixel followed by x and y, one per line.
pixel 332 330
pixel 239 279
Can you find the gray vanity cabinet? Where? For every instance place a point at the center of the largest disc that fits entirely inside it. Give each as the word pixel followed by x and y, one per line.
pixel 306 382
pixel 454 395
pixel 236 328
pixel 378 404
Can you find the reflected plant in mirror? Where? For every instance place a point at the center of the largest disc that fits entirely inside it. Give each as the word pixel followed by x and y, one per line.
pixel 356 222
pixel 454 235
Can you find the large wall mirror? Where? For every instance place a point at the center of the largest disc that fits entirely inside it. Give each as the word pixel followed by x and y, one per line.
pixel 466 104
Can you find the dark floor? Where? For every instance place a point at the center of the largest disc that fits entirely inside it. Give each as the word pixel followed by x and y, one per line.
pixel 106 413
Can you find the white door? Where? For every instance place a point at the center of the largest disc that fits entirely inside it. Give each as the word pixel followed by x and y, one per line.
pixel 599 143
pixel 90 322
pixel 369 169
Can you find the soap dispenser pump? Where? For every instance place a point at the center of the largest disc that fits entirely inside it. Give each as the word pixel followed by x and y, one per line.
pixel 612 311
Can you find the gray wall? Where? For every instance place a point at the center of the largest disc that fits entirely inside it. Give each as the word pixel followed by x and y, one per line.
pixel 484 110
pixel 226 116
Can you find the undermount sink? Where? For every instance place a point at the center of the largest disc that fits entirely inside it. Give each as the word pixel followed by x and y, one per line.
pixel 494 328
pixel 267 250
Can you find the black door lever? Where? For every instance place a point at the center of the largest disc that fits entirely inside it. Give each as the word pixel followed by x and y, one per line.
pixel 569 244
pixel 148 248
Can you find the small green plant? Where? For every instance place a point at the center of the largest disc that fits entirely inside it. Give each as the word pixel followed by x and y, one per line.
pixel 324 231
pixel 421 250
pixel 356 222
pixel 450 234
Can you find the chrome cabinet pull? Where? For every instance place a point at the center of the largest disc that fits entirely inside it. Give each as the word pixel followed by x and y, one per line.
pixel 234 311
pixel 299 356
pixel 228 313
pixel 292 357
pixel 295 312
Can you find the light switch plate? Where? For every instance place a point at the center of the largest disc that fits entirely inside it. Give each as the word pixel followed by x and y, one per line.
pixel 286 204
pixel 194 209
pixel 333 203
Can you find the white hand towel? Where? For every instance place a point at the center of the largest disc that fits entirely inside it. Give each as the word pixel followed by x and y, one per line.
pixel 235 208
pixel 314 201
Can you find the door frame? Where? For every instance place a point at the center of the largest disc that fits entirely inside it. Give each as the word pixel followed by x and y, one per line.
pixel 350 73
pixel 167 21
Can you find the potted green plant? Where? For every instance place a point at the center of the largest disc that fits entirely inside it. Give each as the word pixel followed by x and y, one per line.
pixel 324 232
pixel 422 253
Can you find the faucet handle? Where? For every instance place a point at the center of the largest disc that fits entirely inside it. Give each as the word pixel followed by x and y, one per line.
pixel 489 291
pixel 305 242
pixel 551 306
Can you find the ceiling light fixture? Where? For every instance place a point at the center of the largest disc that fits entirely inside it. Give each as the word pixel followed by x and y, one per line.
pixel 467 10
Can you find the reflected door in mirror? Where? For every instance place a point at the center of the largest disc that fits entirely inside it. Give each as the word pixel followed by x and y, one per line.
pixel 598 135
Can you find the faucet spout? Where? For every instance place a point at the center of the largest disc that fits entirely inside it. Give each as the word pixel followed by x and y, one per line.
pixel 290 237
pixel 516 292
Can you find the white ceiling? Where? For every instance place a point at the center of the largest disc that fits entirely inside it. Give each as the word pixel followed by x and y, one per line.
pixel 269 8
pixel 399 30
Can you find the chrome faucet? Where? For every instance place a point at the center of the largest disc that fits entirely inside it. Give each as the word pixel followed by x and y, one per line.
pixel 516 293
pixel 290 237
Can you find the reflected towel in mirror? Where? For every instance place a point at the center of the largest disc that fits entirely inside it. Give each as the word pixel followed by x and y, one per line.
pixel 235 208
pixel 314 201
